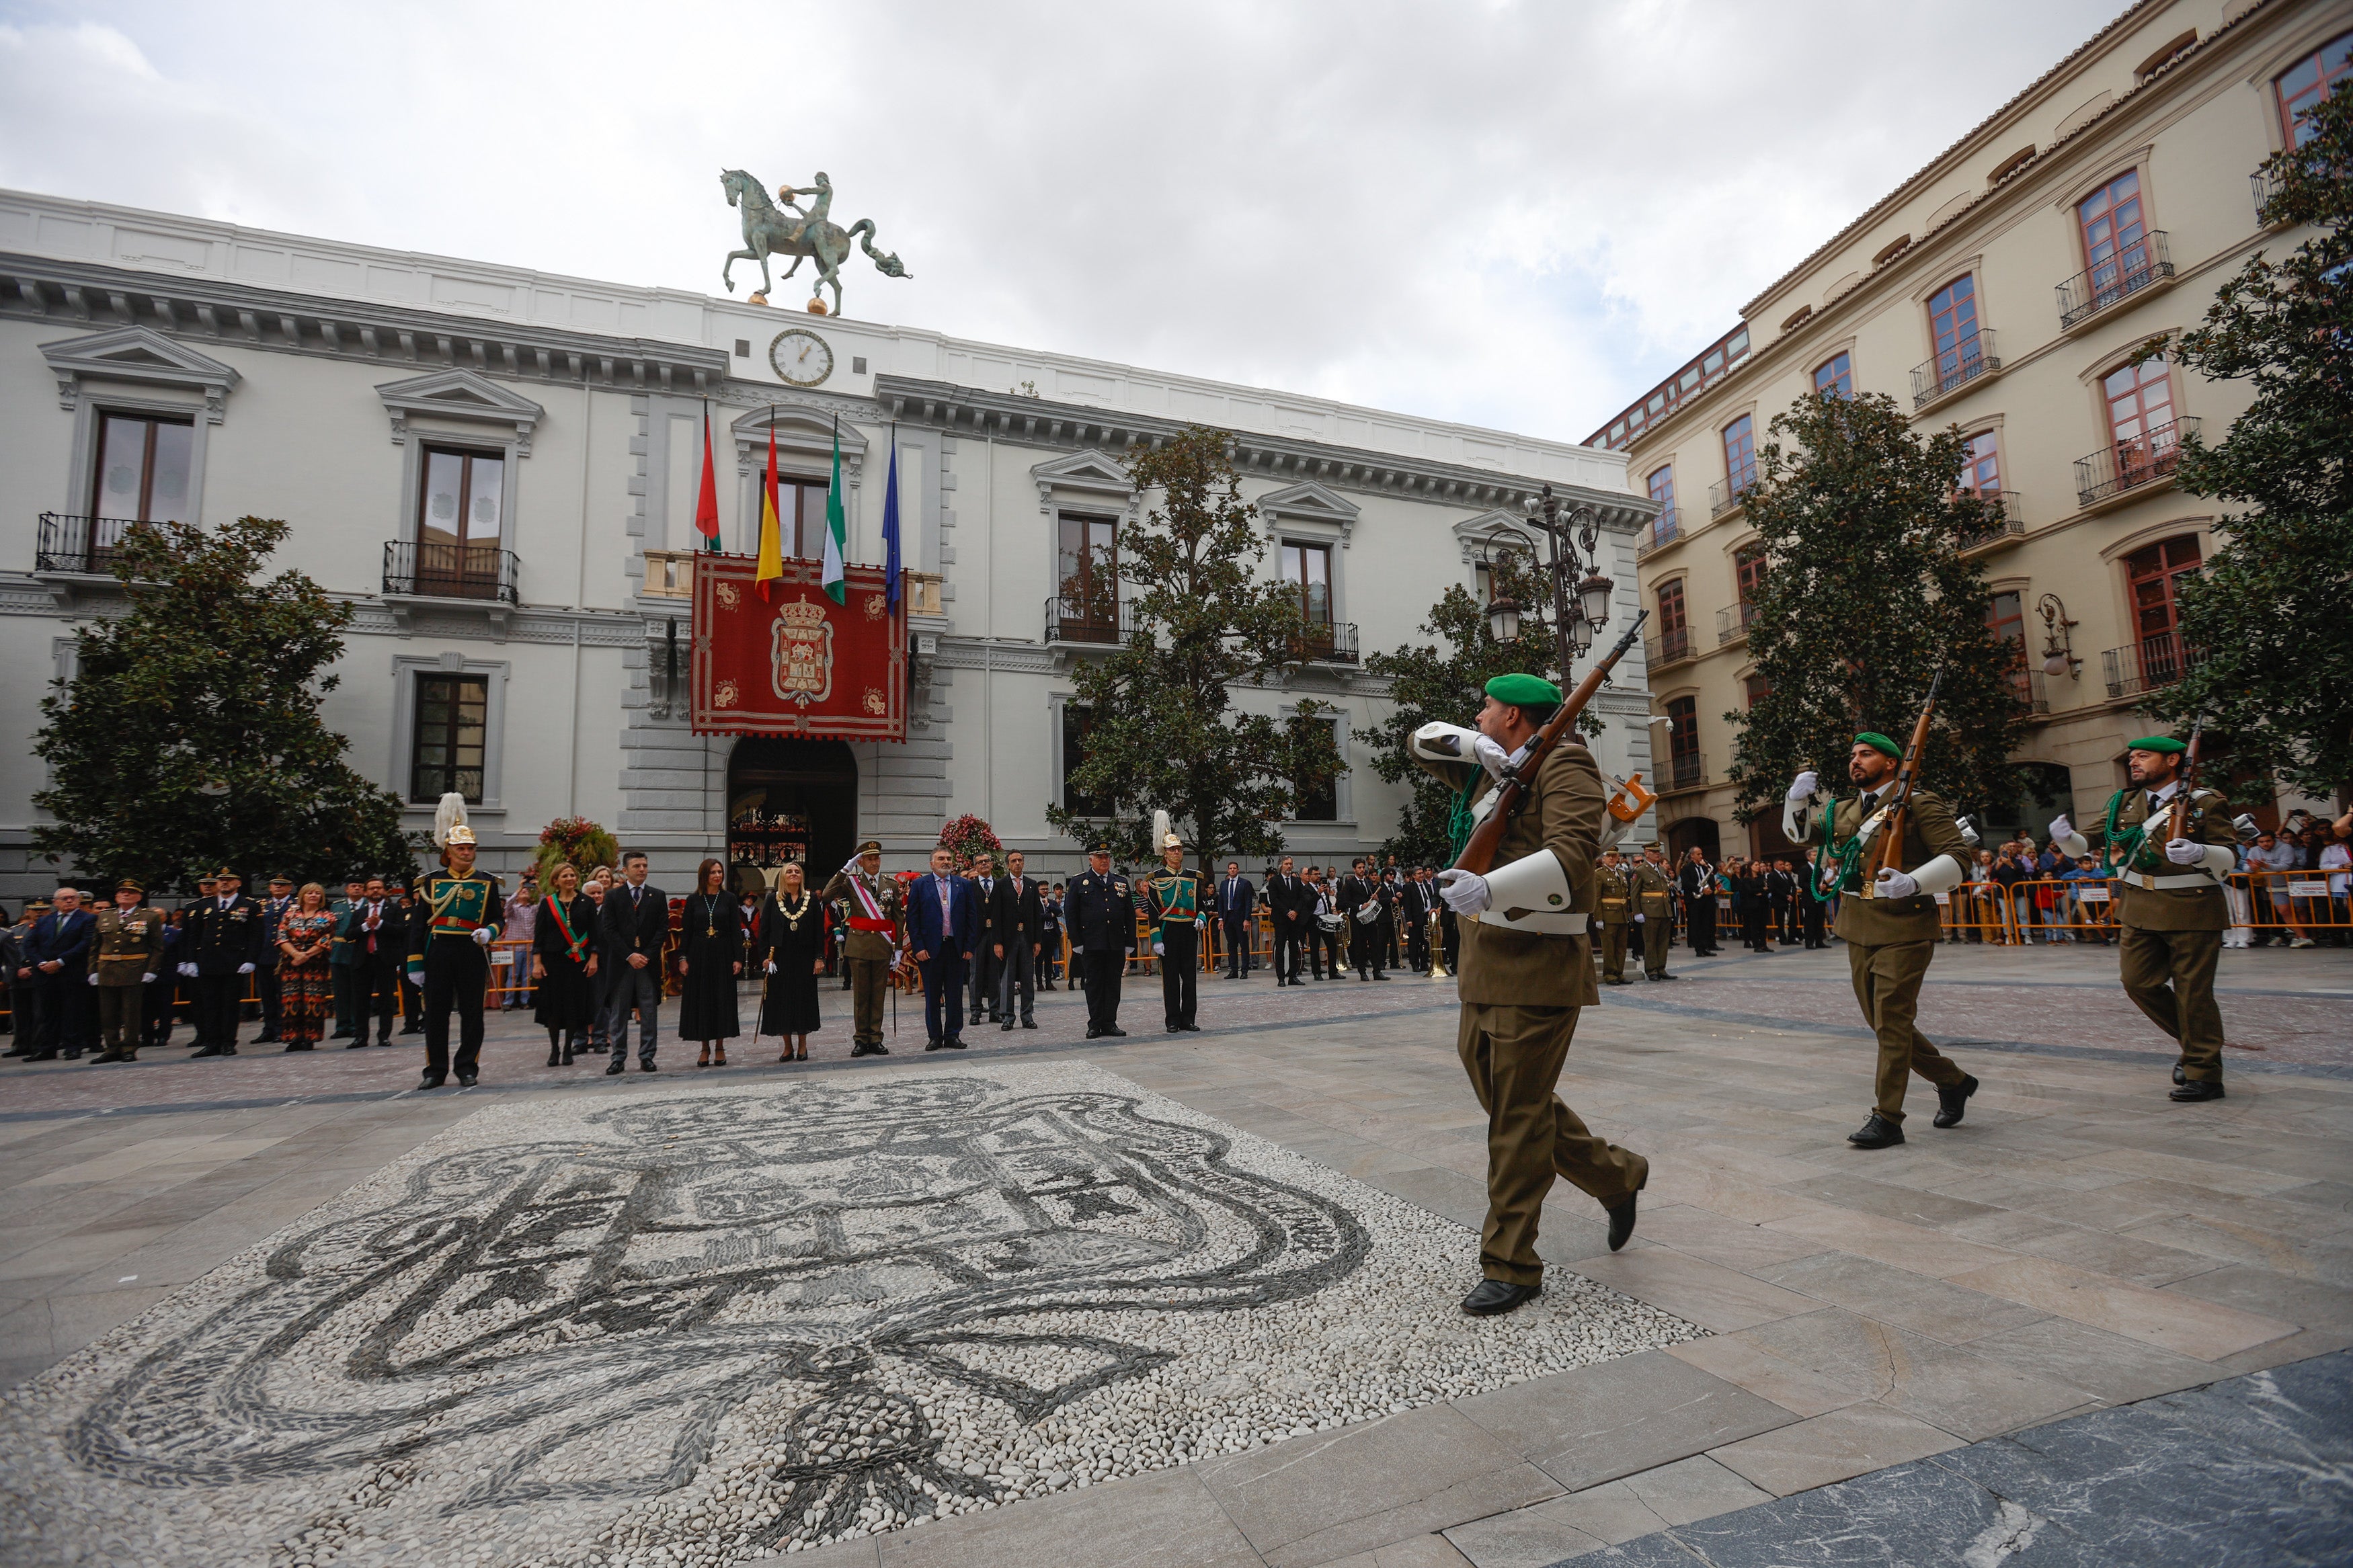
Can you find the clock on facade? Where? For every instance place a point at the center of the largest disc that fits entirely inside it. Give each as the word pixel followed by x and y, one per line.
pixel 801 357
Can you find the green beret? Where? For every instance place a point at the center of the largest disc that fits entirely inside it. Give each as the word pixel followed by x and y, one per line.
pixel 1879 743
pixel 1523 690
pixel 2157 743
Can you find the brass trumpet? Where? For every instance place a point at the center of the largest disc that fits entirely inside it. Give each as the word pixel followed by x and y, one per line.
pixel 1437 939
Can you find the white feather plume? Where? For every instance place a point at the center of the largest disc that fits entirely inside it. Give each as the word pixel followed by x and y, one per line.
pixel 450 814
pixel 1159 829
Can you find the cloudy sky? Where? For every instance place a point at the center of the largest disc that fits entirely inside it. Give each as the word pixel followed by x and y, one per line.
pixel 1520 215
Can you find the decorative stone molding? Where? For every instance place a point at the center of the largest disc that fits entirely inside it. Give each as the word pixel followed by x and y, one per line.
pixel 1492 530
pixel 144 357
pixel 804 433
pixel 464 396
pixel 1312 503
pixel 1090 476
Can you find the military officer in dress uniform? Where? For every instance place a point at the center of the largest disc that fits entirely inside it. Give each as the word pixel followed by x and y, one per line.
pixel 2169 905
pixel 1101 913
pixel 125 958
pixel 1526 971
pixel 1615 912
pixel 871 946
pixel 1890 926
pixel 457 915
pixel 224 945
pixel 1172 909
pixel 1653 890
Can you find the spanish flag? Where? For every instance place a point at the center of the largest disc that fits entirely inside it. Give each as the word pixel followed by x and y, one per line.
pixel 772 554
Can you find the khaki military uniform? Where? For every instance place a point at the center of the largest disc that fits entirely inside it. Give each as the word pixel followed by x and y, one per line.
pixel 129 948
pixel 2172 918
pixel 1889 942
pixel 867 948
pixel 1653 889
pixel 1521 992
pixel 1615 911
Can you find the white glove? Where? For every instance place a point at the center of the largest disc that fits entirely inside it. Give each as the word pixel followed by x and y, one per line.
pixel 148 978
pixel 771 966
pixel 93 980
pixel 2185 851
pixel 484 935
pixel 1802 787
pixel 417 978
pixel 188 970
pixel 1895 884
pixel 2060 828
pixel 1491 755
pixel 245 969
pixel 1465 892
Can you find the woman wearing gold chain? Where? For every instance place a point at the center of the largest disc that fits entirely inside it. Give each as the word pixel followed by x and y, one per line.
pixel 790 948
pixel 710 957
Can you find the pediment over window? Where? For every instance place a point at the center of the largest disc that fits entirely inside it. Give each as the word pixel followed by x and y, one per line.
pixel 142 356
pixel 804 437
pixel 1091 475
pixel 1492 530
pixel 1309 503
pixel 460 395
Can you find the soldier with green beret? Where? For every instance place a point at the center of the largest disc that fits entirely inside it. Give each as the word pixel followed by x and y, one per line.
pixel 126 956
pixel 1526 969
pixel 2168 904
pixel 1889 925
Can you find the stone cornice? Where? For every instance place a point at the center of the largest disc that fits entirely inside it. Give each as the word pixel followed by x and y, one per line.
pixel 99 597
pixel 203 310
pixel 1038 422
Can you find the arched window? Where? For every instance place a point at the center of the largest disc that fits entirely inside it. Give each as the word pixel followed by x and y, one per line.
pixel 2115 240
pixel 2140 420
pixel 1835 376
pixel 2309 80
pixel 1740 454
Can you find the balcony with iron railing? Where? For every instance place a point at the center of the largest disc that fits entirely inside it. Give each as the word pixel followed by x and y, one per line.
pixel 1324 642
pixel 1668 648
pixel 1728 493
pixel 1683 771
pixel 2122 466
pixel 1659 533
pixel 2005 524
pixel 2264 186
pixel 2144 666
pixel 2134 269
pixel 1954 368
pixel 1089 621
pixel 2027 687
pixel 81 544
pixel 485 572
pixel 1732 621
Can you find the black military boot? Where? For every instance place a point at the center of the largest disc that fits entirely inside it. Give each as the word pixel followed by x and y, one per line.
pixel 1492 1298
pixel 2197 1089
pixel 1951 1102
pixel 1876 1133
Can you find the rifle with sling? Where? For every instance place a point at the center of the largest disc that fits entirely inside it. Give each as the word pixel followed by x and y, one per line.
pixel 2178 820
pixel 1887 848
pixel 1479 853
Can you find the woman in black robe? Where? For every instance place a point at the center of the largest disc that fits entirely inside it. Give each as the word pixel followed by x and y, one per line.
pixel 710 957
pixel 791 951
pixel 564 965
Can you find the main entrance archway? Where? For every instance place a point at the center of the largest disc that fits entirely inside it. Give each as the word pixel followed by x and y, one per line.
pixel 791 800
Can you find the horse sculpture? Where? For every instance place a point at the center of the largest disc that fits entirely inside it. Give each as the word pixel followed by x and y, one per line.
pixel 770 230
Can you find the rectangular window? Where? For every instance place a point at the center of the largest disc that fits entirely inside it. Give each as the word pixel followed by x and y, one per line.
pixel 1748 574
pixel 2140 420
pixel 1981 465
pixel 142 468
pixel 2114 242
pixel 1087 577
pixel 1076 722
pixel 446 753
pixel 1740 453
pixel 2155 575
pixel 1662 490
pixel 2006 615
pixel 1318 801
pixel 1674 627
pixel 1836 376
pixel 1953 323
pixel 2309 80
pixel 458 522
pixel 1683 769
pixel 1307 570
pixel 1757 688
pixel 800 505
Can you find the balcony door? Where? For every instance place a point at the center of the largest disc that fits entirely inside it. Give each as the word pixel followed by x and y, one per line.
pixel 2140 420
pixel 2155 575
pixel 1683 770
pixel 2115 248
pixel 458 523
pixel 1307 573
pixel 1087 579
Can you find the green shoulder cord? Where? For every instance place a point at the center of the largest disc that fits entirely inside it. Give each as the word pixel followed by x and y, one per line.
pixel 2131 838
pixel 1460 823
pixel 1842 856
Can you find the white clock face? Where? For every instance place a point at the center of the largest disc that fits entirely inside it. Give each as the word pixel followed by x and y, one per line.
pixel 801 357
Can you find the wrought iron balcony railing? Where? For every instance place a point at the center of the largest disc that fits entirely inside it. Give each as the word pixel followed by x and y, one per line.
pixel 1726 494
pixel 414 570
pixel 79 543
pixel 1732 621
pixel 2145 665
pixel 1660 532
pixel 1324 642
pixel 1956 367
pixel 2132 268
pixel 1683 770
pixel 2008 519
pixel 2123 465
pixel 1667 648
pixel 1089 621
pixel 2027 687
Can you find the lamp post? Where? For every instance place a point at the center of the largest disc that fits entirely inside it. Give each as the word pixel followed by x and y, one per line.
pixel 1575 532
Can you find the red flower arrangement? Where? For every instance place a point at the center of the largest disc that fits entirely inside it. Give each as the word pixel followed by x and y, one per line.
pixel 969 835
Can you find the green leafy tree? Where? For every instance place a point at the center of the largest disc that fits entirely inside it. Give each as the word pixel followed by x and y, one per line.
pixel 1866 596
pixel 190 735
pixel 1163 730
pixel 1445 681
pixel 2268 618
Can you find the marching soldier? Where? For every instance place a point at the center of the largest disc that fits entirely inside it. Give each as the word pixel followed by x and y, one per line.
pixel 1102 915
pixel 1525 972
pixel 1616 914
pixel 224 945
pixel 1173 908
pixel 2169 904
pixel 1890 927
pixel 871 946
pixel 1653 891
pixel 461 913
pixel 127 954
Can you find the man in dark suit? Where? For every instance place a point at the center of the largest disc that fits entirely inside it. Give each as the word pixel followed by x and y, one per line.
pixel 1236 913
pixel 224 943
pixel 1365 936
pixel 1018 922
pixel 985 882
pixel 57 953
pixel 1413 919
pixel 636 925
pixel 374 933
pixel 1101 913
pixel 265 973
pixel 942 929
pixel 1292 908
pixel 1695 885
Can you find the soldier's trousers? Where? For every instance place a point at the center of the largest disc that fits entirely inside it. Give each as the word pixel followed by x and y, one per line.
pixel 218 998
pixel 1513 1055
pixel 2169 975
pixel 1655 930
pixel 1104 967
pixel 1613 951
pixel 455 974
pixel 122 1015
pixel 1887 985
pixel 1180 972
pixel 869 979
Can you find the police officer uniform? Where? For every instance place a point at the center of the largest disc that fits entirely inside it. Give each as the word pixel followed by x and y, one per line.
pixel 1614 910
pixel 1101 913
pixel 1173 907
pixel 224 945
pixel 870 945
pixel 459 915
pixel 125 956
pixel 1653 893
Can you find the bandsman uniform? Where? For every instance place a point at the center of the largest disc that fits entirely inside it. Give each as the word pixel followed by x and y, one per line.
pixel 1614 911
pixel 1101 913
pixel 1653 891
pixel 1890 936
pixel 224 945
pixel 2169 907
pixel 870 945
pixel 1172 907
pixel 1365 901
pixel 461 913
pixel 127 953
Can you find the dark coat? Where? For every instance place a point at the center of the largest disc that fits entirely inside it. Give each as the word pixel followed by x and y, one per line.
pixel 925 932
pixel 391 936
pixel 219 940
pixel 627 929
pixel 66 939
pixel 1018 917
pixel 1235 899
pixel 1101 912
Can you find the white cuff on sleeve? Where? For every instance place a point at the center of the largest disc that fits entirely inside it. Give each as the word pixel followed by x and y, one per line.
pixel 1794 822
pixel 1941 874
pixel 2221 860
pixel 2076 844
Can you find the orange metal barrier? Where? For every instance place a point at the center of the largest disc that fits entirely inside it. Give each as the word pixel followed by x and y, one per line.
pixel 1977 911
pixel 2293 901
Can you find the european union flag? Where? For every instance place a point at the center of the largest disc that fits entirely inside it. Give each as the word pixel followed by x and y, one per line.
pixel 890 526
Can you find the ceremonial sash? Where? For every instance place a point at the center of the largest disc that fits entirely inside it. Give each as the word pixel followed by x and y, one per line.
pixel 873 920
pixel 573 942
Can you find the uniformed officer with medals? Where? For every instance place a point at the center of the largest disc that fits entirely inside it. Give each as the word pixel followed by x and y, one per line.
pixel 125 957
pixel 1888 923
pixel 1615 916
pixel 871 946
pixel 1652 889
pixel 224 944
pixel 1101 912
pixel 448 938
pixel 2168 903
pixel 1525 970
pixel 1173 909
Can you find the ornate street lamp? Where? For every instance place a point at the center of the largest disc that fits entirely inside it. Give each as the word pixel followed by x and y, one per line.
pixel 1575 535
pixel 1503 619
pixel 2059 643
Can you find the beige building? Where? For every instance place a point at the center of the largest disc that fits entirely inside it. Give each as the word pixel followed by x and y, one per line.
pixel 2003 290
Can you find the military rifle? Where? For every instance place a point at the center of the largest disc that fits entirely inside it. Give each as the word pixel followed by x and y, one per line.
pixel 1479 853
pixel 2179 821
pixel 1887 848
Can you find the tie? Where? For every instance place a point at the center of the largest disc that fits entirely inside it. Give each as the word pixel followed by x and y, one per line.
pixel 1870 800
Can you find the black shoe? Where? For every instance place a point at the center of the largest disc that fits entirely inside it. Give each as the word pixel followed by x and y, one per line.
pixel 567 1055
pixel 2178 1075
pixel 356 1046
pixel 1006 1027
pixel 955 1042
pixel 878 1049
pixel 200 1051
pixel 1093 1032
pixel 384 1040
pixel 555 1056
pixel 1494 1296
pixel 1190 1028
pixel 1876 1133
pixel 934 1045
pixel 618 1064
pixel 2197 1089
pixel 644 1064
pixel 1378 976
pixel 1114 1029
pixel 430 1079
pixel 1622 1215
pixel 1029 1022
pixel 1167 1029
pixel 300 1045
pixel 465 1080
pixel 1951 1102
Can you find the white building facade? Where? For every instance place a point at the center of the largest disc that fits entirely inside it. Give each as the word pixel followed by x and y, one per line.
pixel 499 469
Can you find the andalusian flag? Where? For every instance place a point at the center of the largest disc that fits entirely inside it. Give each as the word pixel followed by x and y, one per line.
pixel 772 552
pixel 837 533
